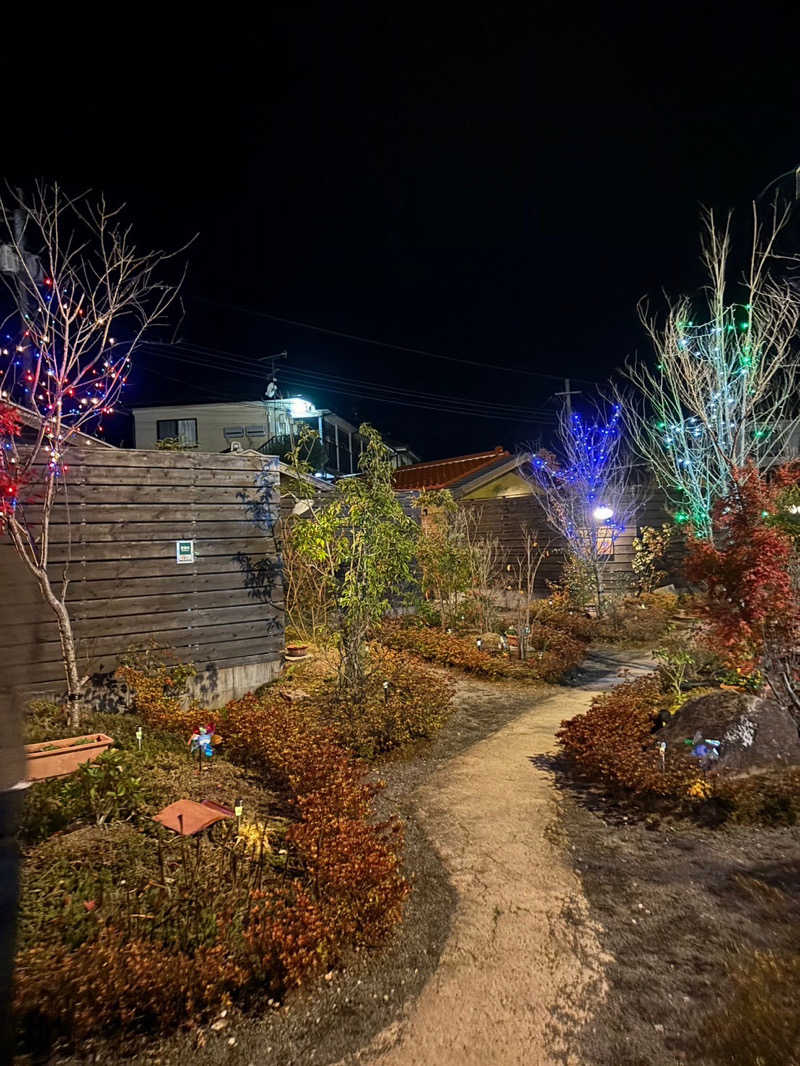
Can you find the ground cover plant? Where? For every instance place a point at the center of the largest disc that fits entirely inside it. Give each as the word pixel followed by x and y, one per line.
pixel 156 931
pixel 553 653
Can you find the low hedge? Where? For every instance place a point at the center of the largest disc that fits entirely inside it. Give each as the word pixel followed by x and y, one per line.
pixel 339 885
pixel 613 744
pixel 404 703
pixel 552 652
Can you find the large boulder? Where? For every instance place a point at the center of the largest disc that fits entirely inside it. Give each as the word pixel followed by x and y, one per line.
pixel 754 732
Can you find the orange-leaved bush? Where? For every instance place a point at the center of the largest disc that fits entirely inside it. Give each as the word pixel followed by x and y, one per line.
pixel 552 652
pixel 341 886
pixel 613 743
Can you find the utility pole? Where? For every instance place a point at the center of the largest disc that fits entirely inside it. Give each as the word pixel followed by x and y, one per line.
pixel 568 393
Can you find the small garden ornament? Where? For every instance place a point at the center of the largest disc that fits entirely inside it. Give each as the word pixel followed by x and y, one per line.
pixel 202 742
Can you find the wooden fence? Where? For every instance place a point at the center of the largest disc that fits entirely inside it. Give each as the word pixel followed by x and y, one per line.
pixel 510 518
pixel 119 516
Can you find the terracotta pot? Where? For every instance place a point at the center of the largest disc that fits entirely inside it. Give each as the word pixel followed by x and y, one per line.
pixel 296 649
pixel 56 758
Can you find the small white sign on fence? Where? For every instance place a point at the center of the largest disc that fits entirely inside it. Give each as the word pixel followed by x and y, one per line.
pixel 184 551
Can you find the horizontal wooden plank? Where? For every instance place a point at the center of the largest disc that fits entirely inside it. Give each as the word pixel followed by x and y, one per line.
pixel 155 458
pixel 161 622
pixel 169 511
pixel 224 653
pixel 230 582
pixel 168 602
pixel 165 494
pixel 136 567
pixel 125 549
pixel 95 647
pixel 155 532
pixel 160 476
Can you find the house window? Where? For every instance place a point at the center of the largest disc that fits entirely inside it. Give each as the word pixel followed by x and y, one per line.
pixel 231 432
pixel 256 431
pixel 183 430
pixel 605 541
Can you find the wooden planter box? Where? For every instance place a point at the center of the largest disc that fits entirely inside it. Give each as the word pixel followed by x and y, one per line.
pixel 56 758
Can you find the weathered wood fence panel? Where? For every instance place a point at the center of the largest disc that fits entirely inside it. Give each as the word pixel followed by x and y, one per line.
pixel 118 517
pixel 510 518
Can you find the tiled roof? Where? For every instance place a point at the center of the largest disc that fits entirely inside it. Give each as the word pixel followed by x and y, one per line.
pixel 444 472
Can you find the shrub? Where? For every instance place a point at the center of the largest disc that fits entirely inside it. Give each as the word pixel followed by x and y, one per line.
pixel 613 743
pixel 556 612
pixel 412 705
pixel 208 940
pixel 446 649
pixel 113 982
pixel 158 683
pixel 747 573
pixel 770 798
pixel 637 620
pixel 106 789
pixel 552 652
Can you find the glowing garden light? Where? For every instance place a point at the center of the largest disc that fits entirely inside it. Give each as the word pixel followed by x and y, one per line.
pixel 602 514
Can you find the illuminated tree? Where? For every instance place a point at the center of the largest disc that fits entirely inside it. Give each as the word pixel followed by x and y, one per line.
pixel 588 491
pixel 722 392
pixel 83 297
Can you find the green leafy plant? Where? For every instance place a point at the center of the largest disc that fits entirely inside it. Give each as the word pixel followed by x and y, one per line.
pixel 106 788
pixel 649 553
pixel 365 544
pixel 677 661
pixel 443 553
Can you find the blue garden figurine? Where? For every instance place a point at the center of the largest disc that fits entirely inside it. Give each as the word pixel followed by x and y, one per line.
pixel 202 742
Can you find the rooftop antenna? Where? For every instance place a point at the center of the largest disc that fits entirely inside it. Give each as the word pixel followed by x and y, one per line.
pixel 273 391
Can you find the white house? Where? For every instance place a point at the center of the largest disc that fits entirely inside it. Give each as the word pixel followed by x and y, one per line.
pixel 252 425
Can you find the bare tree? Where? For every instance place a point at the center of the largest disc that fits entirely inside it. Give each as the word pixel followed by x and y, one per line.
pixel 588 491
pixel 486 559
pixel 524 570
pixel 723 390
pixel 85 296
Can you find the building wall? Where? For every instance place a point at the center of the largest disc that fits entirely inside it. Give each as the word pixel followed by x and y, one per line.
pixel 510 518
pixel 212 420
pixel 126 511
pixel 510 484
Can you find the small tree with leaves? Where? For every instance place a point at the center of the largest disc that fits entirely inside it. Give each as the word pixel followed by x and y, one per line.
pixel 588 492
pixel 443 553
pixel 83 297
pixel 365 542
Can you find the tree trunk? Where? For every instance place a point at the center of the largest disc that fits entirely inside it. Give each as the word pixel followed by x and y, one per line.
pixel 598 588
pixel 67 639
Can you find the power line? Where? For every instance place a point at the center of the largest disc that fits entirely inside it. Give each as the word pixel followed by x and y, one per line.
pixel 325 381
pixel 442 407
pixel 386 344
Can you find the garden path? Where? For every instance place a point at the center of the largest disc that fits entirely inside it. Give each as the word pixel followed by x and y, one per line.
pixel 522 965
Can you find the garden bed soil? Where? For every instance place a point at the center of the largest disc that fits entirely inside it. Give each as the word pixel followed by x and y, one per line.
pixel 676 906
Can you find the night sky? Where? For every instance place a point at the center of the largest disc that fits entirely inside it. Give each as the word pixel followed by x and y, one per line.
pixel 498 189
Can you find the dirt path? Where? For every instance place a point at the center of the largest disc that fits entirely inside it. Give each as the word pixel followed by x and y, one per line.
pixel 522 962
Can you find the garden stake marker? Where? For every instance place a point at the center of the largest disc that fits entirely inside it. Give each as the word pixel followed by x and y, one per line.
pixel 139 737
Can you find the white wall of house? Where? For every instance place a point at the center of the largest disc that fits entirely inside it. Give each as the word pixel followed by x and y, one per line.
pixel 210 427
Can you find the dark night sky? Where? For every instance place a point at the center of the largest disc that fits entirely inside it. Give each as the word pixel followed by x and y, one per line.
pixel 499 188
